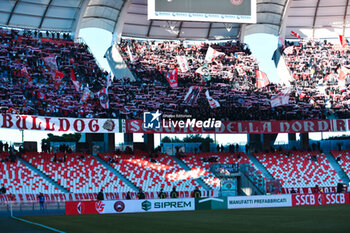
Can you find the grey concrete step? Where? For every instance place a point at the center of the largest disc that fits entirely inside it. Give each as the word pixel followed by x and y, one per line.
pixel 43 175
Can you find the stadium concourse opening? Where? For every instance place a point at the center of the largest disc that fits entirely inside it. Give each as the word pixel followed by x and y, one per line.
pixel 228 108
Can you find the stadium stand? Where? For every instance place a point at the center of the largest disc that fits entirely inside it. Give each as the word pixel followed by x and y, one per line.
pixel 77 172
pixel 299 169
pixel 18 178
pixel 152 174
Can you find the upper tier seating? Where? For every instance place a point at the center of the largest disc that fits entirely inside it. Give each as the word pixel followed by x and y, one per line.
pixel 299 169
pixel 81 173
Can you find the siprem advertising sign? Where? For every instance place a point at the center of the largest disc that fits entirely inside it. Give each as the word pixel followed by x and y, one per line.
pixel 129 206
pixel 320 199
pixel 259 201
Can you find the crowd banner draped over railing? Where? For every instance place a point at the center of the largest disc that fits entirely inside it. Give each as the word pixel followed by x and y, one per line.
pixel 246 127
pixel 61 124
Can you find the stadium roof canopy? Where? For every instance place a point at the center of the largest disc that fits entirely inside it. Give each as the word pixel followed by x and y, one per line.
pixel 310 18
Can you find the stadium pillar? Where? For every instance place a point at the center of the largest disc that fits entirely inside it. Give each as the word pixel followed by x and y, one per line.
pixel 268 141
pixel 304 138
pixel 149 142
pixel 128 139
pixel 292 137
pixel 254 142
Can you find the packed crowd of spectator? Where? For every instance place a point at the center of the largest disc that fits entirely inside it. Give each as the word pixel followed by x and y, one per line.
pixel 315 67
pixel 314 94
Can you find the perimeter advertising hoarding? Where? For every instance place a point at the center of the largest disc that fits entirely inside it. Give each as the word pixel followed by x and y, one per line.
pixel 129 206
pixel 225 11
pixel 320 199
pixel 245 127
pixel 259 201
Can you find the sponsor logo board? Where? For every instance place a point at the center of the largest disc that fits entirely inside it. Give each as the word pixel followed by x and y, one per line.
pixel 259 201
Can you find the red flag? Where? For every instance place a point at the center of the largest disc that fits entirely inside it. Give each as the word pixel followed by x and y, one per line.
pixel 172 78
pixel 74 80
pixel 343 42
pixel 103 96
pixel 58 76
pixel 292 33
pixel 261 79
pixel 26 74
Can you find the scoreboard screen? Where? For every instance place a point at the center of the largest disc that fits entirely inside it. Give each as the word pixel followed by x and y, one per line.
pixel 225 11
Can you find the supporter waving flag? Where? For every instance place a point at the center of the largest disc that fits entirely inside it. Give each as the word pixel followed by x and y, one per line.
pixel 58 78
pixel 292 33
pixel 343 41
pixel 289 50
pixel 342 73
pixel 86 95
pixel 261 79
pixel 182 63
pixel 212 54
pixel 282 98
pixel 192 95
pixel 51 62
pixel 27 75
pixel 103 97
pixel 212 103
pixel 132 58
pixel 74 80
pixel 204 72
pixel 109 80
pixel 172 78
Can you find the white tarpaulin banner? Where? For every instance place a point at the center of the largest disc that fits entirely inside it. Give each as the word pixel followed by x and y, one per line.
pixel 61 124
pixel 260 201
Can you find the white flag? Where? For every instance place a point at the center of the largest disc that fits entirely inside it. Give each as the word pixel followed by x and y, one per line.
pixel 212 54
pixel 213 103
pixel 132 59
pixel 182 63
pixel 281 98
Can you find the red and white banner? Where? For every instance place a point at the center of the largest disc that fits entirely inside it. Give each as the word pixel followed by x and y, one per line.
pixel 261 79
pixel 182 63
pixel 342 73
pixel 172 78
pixel 292 33
pixel 93 196
pixel 310 190
pixel 288 50
pixel 320 199
pixel 61 124
pixel 247 127
pixel 343 41
pixel 74 80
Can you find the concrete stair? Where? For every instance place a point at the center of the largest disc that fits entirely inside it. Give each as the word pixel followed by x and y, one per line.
pixel 337 168
pixel 117 173
pixel 43 175
pixel 186 168
pixel 259 166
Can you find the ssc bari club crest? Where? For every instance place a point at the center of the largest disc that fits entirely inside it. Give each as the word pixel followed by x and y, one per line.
pixel 236 2
pixel 109 125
